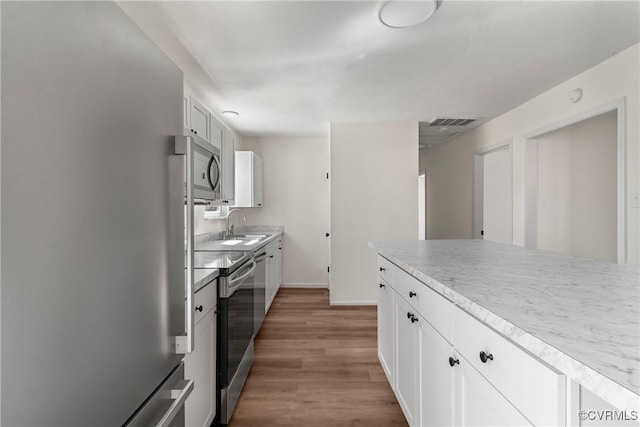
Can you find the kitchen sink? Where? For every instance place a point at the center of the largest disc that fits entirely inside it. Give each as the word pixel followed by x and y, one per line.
pixel 250 236
pixel 244 239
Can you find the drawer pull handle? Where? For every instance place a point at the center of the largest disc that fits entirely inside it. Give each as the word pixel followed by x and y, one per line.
pixel 382 285
pixel 383 269
pixel 199 308
pixel 484 357
pixel 412 294
pixel 453 362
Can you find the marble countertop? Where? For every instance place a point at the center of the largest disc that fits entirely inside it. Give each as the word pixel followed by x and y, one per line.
pixel 213 241
pixel 580 316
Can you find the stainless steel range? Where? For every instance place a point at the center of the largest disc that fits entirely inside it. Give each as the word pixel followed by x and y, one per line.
pixel 235 322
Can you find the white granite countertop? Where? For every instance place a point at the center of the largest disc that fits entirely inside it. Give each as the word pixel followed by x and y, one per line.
pixel 214 242
pixel 580 316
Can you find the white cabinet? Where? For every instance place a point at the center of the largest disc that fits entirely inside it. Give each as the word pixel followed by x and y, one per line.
pixel 451 369
pixel 228 160
pixel 200 120
pixel 273 276
pixel 478 403
pixel 406 355
pixel 200 365
pixel 249 180
pixel 386 324
pixel 438 365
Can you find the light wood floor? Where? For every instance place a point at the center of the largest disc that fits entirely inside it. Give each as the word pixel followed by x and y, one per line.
pixel 316 365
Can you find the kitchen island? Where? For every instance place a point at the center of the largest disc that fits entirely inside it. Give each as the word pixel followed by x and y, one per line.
pixel 579 317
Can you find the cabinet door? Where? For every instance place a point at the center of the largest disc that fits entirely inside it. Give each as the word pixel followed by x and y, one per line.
pixel 228 167
pixel 406 359
pixel 216 133
pixel 200 366
pixel 436 377
pixel 270 282
pixel 200 120
pixel 258 182
pixel 279 265
pixel 478 403
pixel 386 321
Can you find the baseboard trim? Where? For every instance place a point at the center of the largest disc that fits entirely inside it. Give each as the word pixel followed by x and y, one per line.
pixel 304 285
pixel 361 302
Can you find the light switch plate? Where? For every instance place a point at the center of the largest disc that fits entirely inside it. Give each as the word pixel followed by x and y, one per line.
pixel 634 201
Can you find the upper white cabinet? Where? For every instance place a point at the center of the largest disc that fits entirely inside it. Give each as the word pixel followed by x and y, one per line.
pixel 200 120
pixel 249 174
pixel 228 168
pixel 216 132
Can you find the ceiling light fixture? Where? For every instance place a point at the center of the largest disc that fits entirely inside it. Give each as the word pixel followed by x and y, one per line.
pixel 230 113
pixel 402 14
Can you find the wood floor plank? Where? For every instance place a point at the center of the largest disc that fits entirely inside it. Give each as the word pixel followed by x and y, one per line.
pixel 316 365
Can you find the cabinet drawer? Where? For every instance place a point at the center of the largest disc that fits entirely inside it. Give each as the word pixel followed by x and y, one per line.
pixel 385 268
pixel 207 298
pixel 435 308
pixel 535 389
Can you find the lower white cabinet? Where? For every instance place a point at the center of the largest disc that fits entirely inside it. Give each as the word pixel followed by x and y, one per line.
pixel 478 403
pixel 407 354
pixel 200 366
pixel 438 367
pixel 448 368
pixel 273 277
pixel 386 323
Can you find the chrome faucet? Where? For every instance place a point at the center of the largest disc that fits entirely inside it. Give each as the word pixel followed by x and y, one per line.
pixel 229 233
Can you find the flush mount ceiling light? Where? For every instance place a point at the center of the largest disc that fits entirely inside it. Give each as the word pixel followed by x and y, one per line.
pixel 230 113
pixel 402 14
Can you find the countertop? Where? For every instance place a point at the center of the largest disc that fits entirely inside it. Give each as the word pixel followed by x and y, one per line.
pixel 202 276
pixel 212 241
pixel 580 316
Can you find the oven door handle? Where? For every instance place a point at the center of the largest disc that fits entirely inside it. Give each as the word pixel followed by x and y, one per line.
pixel 261 257
pixel 235 283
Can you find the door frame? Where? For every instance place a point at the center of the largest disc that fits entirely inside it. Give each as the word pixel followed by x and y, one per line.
pixel 478 185
pixel 529 229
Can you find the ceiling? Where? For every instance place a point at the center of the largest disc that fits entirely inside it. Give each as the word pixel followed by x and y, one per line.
pixel 290 68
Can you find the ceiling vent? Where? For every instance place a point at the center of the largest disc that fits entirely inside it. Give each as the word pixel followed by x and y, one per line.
pixel 448 121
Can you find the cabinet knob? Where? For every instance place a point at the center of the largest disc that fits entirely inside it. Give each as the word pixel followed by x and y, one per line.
pixel 383 269
pixel 412 294
pixel 382 285
pixel 326 234
pixel 199 308
pixel 453 362
pixel 484 357
pixel 414 319
pixel 409 315
pixel 270 256
pixel 259 204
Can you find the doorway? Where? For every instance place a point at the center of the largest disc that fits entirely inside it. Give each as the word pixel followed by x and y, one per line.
pixel 574 179
pixel 493 193
pixel 422 205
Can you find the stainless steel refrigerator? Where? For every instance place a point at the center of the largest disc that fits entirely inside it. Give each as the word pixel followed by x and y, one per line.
pixel 92 250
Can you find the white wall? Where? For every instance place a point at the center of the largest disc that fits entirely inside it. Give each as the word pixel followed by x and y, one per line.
pixel 577 189
pixel 374 185
pixel 295 195
pixel 450 166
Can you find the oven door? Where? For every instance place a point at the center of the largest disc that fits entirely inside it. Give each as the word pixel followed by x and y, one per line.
pixel 236 320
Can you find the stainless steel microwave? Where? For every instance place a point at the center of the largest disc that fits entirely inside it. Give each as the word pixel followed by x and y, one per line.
pixel 202 169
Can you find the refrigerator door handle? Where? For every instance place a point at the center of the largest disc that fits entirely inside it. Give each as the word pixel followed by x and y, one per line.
pixel 184 344
pixel 179 397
